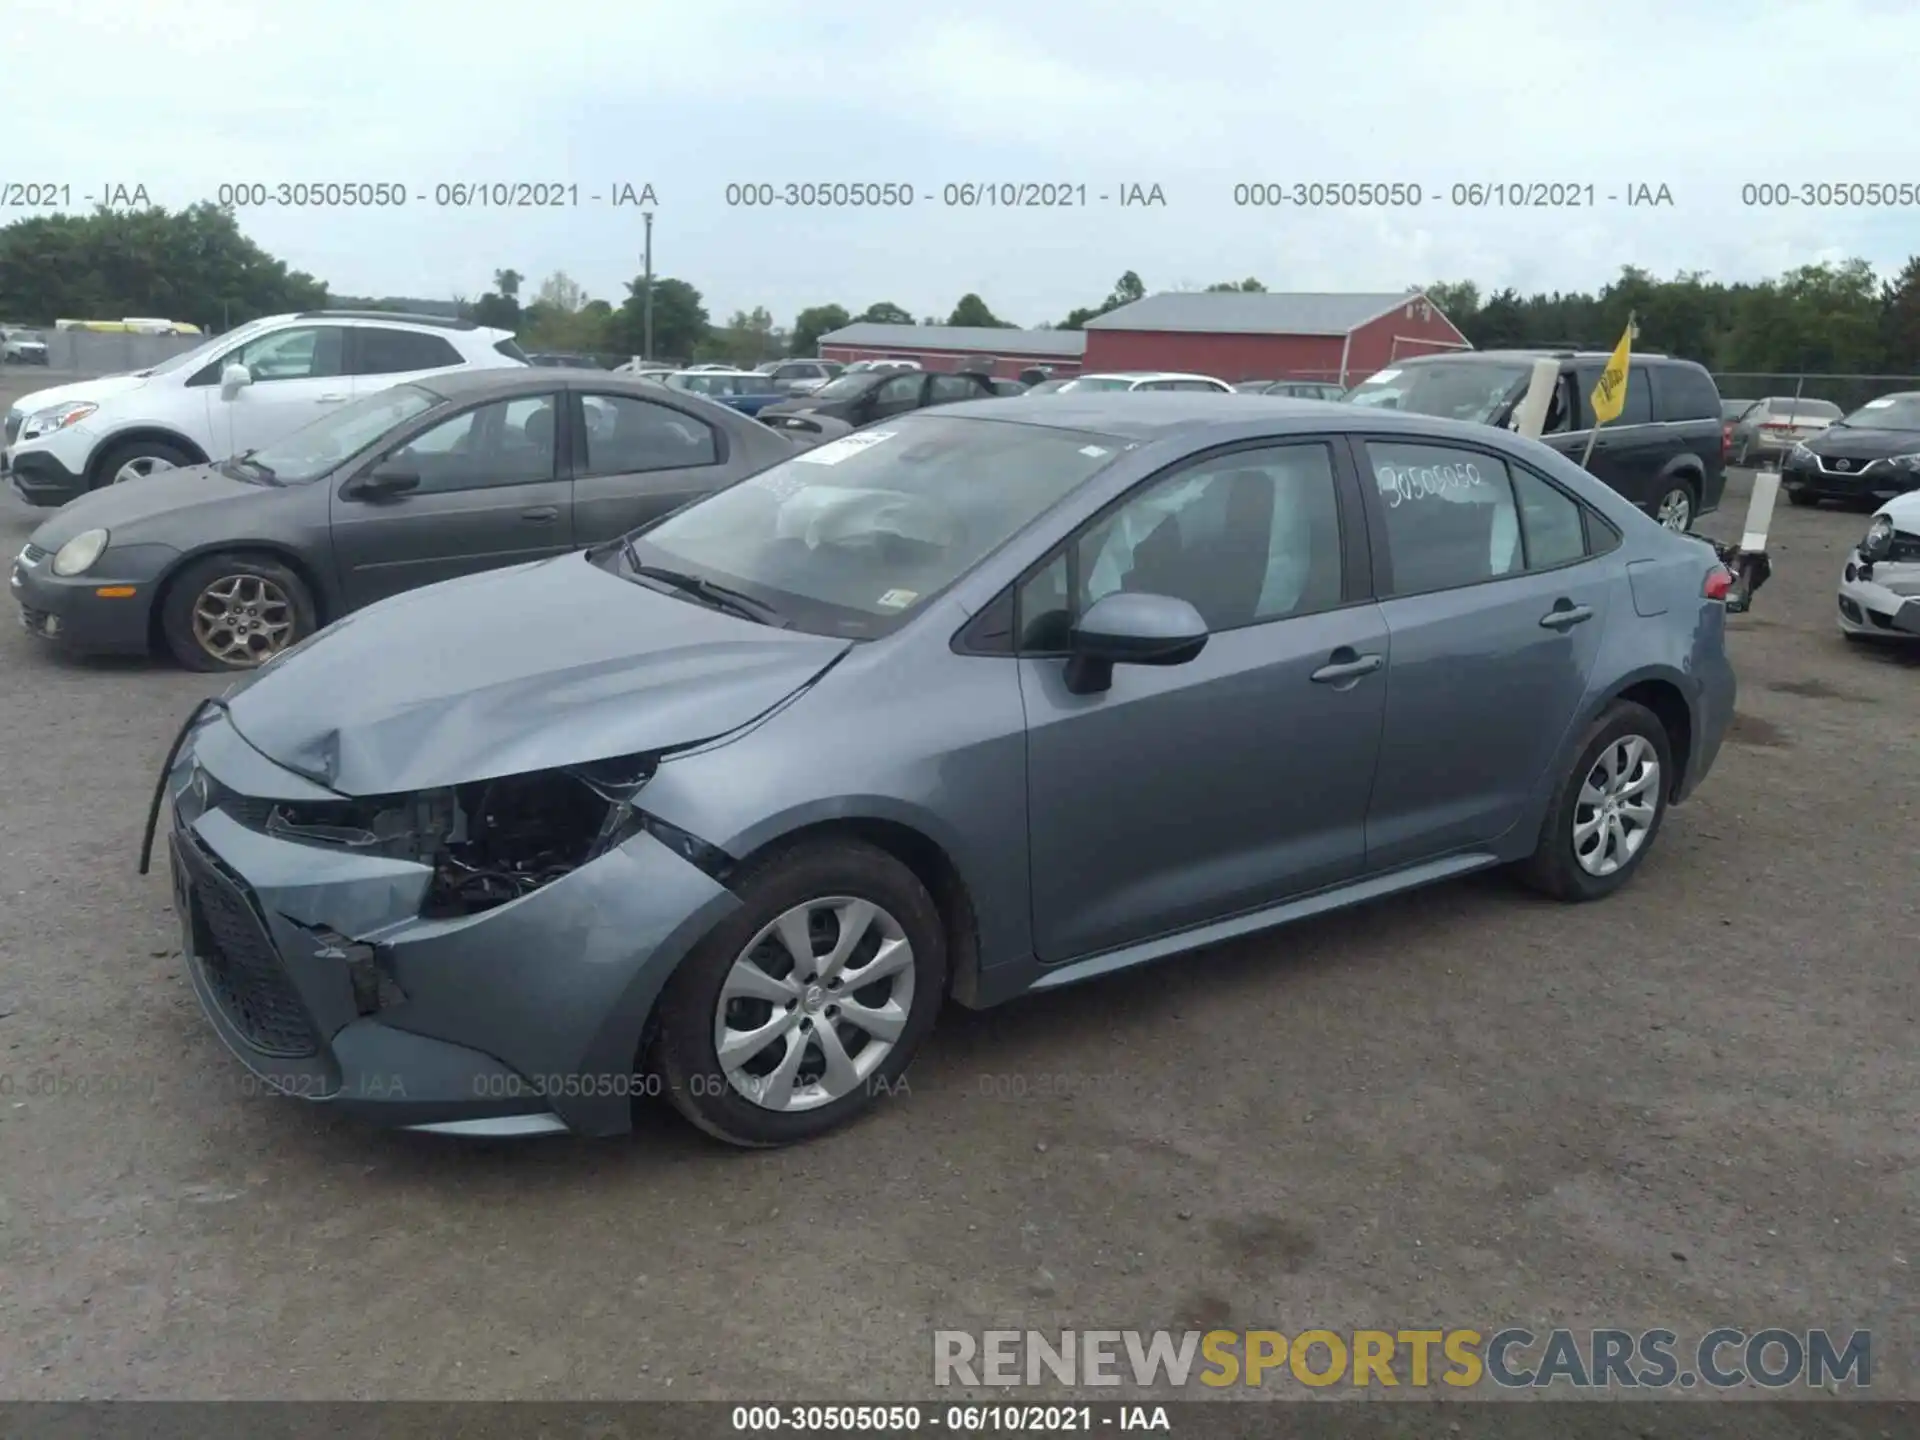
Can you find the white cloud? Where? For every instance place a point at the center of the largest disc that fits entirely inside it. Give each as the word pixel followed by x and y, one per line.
pixel 1699 97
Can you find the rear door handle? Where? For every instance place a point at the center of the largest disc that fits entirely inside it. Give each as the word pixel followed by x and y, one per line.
pixel 541 514
pixel 1346 666
pixel 1564 616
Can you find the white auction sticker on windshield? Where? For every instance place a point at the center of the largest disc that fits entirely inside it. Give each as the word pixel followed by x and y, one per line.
pixel 897 599
pixel 1092 452
pixel 1383 377
pixel 845 448
pixel 1879 404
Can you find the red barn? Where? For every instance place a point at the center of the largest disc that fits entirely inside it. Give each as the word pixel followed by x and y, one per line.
pixel 1237 335
pixel 952 347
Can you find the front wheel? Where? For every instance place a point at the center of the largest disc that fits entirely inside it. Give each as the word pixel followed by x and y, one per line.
pixel 1608 809
pixel 234 612
pixel 1801 497
pixel 137 459
pixel 806 1004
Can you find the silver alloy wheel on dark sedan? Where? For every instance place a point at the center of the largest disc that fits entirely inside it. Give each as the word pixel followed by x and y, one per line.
pixel 242 620
pixel 814 1003
pixel 1675 510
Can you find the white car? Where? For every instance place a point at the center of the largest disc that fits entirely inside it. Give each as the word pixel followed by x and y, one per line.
pixel 238 392
pixel 1880 587
pixel 1143 380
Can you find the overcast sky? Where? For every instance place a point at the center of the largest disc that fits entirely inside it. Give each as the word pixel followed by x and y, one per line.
pixel 1194 97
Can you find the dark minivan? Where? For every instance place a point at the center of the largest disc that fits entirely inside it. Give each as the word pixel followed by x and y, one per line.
pixel 860 397
pixel 1666 452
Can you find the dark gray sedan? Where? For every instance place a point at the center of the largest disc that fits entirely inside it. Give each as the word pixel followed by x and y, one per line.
pixel 229 564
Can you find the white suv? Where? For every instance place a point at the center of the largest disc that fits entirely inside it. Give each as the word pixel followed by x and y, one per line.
pixel 239 391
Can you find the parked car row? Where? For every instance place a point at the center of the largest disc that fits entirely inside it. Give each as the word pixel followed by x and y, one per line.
pixel 22 345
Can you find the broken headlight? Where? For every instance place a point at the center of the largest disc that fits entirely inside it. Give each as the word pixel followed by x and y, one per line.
pixel 488 841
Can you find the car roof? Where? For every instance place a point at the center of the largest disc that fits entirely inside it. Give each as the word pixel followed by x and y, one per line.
pixel 1159 414
pixel 510 380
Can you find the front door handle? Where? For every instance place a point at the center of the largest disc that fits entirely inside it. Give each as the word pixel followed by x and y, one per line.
pixel 541 514
pixel 1565 615
pixel 1344 664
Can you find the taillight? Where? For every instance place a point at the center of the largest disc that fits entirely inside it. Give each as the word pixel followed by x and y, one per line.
pixel 1726 441
pixel 1719 582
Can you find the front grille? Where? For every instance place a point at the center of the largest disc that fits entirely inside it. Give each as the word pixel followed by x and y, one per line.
pixel 33 554
pixel 243 969
pixel 1854 467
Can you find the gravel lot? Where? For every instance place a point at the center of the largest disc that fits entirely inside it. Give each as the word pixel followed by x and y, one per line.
pixel 1691 1105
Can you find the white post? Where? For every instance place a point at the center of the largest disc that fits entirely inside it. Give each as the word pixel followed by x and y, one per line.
pixel 1766 490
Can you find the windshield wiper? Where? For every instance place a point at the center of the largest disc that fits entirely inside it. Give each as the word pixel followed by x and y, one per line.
pixel 709 592
pixel 266 472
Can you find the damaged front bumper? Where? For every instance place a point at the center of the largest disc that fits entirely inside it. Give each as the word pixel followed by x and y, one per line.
pixel 332 974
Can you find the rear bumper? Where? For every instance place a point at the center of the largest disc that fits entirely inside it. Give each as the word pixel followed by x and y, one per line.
pixel 1713 713
pixel 316 969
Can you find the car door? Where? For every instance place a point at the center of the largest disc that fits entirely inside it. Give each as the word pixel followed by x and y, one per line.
pixel 636 460
pixel 896 395
pixel 948 389
pixel 382 355
pixel 299 374
pixel 1630 451
pixel 1187 793
pixel 492 491
pixel 1495 606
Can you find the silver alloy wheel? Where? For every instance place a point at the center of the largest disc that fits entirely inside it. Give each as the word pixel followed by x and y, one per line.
pixel 1676 510
pixel 1618 802
pixel 139 467
pixel 814 1004
pixel 242 619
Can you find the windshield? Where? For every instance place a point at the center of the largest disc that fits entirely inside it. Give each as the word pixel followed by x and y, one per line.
pixel 310 453
pixel 199 354
pixel 1470 390
pixel 1889 412
pixel 1098 382
pixel 1049 387
pixel 845 387
pixel 853 537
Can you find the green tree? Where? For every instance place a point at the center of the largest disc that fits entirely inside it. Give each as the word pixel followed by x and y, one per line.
pixel 193 265
pixel 680 320
pixel 973 311
pixel 748 337
pixel 1249 286
pixel 1127 289
pixel 885 313
pixel 813 322
pixel 1900 320
pixel 507 283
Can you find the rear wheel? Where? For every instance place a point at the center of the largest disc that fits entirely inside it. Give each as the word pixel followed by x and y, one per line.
pixel 137 459
pixel 808 1002
pixel 235 612
pixel 1608 809
pixel 1675 510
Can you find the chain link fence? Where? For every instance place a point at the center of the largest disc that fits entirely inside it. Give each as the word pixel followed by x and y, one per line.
pixel 1849 392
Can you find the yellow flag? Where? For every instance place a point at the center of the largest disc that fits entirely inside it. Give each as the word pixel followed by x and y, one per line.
pixel 1610 394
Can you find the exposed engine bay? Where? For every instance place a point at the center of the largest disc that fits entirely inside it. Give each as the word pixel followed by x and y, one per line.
pixel 488 842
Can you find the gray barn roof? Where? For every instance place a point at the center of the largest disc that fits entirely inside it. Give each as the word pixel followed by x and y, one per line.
pixel 974 339
pixel 1242 313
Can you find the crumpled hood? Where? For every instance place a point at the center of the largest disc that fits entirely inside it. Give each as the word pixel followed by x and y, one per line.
pixel 120 508
pixel 97 390
pixel 1905 512
pixel 511 671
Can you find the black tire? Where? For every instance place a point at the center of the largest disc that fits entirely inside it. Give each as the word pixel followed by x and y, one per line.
pixel 1553 868
pixel 1684 488
pixel 184 592
pixel 1801 498
pixel 683 1051
pixel 173 456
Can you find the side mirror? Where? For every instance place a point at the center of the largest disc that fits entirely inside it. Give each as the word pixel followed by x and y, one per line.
pixel 389 477
pixel 1131 629
pixel 233 379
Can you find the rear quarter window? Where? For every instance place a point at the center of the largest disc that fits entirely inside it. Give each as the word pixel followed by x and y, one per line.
pixel 1684 392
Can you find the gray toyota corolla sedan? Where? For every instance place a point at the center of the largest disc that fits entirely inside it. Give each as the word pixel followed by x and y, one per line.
pixel 228 564
pixel 992 699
